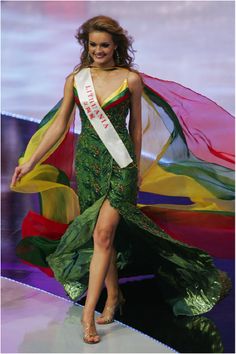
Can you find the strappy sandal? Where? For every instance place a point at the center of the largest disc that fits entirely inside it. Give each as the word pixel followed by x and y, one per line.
pixel 111 311
pixel 89 337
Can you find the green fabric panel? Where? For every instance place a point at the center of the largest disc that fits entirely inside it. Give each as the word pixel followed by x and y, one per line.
pixel 169 111
pixel 35 249
pixel 217 179
pixel 46 119
pixel 50 114
pixel 62 178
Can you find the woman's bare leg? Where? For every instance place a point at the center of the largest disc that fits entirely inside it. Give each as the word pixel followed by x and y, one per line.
pixel 112 286
pixel 111 280
pixel 103 245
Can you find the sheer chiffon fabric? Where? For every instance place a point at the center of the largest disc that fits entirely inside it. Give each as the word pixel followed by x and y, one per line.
pixel 187 170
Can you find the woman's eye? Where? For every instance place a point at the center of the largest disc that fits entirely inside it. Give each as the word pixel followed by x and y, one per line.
pixel 105 45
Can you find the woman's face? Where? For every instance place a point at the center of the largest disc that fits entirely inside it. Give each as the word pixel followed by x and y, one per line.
pixel 101 48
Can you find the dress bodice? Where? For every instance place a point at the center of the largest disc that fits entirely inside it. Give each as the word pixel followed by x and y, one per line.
pixel 116 107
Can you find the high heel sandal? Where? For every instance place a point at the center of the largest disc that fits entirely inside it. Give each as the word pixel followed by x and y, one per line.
pixel 111 311
pixel 88 337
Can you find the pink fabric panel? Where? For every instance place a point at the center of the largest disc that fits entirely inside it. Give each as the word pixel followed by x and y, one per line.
pixel 208 128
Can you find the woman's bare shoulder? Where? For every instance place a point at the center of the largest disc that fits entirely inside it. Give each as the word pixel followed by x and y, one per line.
pixel 134 80
pixel 134 76
pixel 70 77
pixel 69 81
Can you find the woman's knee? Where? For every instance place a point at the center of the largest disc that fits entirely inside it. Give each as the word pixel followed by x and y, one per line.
pixel 103 237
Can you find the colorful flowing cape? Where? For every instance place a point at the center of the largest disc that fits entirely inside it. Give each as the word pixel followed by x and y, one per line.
pixel 187 168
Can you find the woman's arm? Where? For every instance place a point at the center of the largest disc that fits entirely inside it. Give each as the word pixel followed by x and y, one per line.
pixel 56 130
pixel 53 134
pixel 135 123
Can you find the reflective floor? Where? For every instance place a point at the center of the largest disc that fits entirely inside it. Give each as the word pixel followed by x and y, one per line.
pixel 45 323
pixel 145 309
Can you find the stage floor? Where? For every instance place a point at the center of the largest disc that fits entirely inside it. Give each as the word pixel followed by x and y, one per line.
pixel 34 321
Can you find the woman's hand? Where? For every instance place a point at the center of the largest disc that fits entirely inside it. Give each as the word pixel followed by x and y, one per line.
pixel 20 171
pixel 52 134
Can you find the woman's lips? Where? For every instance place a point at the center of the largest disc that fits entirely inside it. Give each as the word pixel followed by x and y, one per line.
pixel 99 56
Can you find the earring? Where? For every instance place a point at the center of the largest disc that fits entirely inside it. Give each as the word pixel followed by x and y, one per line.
pixel 117 56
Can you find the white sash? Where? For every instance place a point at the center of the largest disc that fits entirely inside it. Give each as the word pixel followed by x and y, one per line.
pixel 99 119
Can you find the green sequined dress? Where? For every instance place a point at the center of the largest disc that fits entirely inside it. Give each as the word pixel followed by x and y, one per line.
pixel 188 278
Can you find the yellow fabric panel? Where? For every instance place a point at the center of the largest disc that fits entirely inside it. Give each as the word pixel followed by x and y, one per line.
pixel 59 202
pixel 159 181
pixel 225 206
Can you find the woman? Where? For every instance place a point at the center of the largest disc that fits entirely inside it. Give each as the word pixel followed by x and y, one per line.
pixel 103 227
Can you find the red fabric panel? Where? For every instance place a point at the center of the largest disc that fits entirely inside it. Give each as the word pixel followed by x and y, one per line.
pixel 212 232
pixel 63 156
pixel 37 225
pixel 45 270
